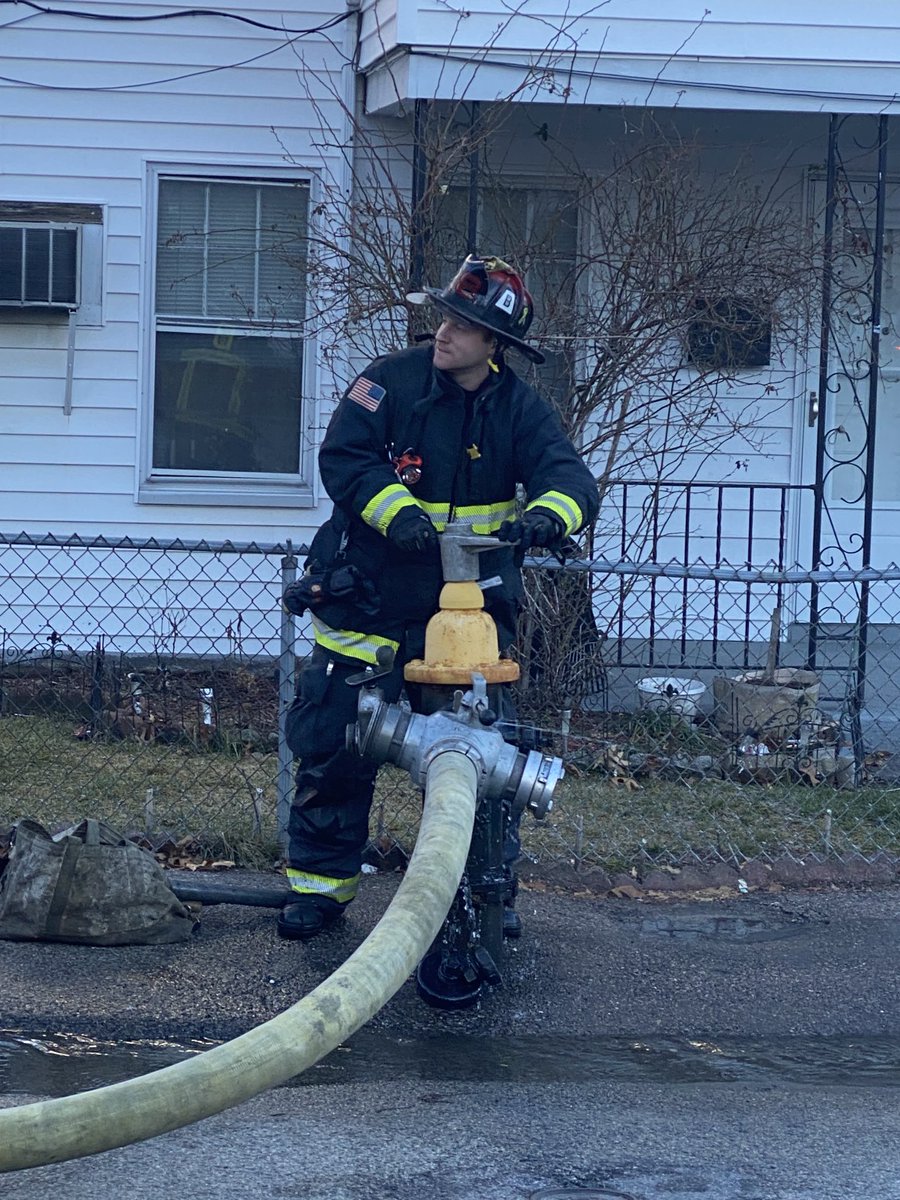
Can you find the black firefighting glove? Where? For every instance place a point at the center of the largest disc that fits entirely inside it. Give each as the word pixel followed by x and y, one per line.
pixel 533 529
pixel 412 531
pixel 340 584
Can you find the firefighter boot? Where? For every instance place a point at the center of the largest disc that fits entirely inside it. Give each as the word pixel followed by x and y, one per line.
pixel 307 916
pixel 512 923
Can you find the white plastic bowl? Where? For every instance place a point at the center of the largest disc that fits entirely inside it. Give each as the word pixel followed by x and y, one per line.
pixel 670 694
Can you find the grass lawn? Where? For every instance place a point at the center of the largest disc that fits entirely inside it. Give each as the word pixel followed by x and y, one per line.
pixel 226 798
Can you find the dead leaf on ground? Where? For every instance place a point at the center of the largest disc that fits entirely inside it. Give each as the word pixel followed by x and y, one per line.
pixel 181 863
pixel 625 781
pixel 628 891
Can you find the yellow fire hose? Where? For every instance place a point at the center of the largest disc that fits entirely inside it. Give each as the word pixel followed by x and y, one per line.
pixel 55 1130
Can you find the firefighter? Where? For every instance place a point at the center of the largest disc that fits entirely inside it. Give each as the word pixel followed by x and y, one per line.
pixel 423 436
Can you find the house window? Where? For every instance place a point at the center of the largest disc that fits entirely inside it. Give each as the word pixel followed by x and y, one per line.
pixel 727 334
pixel 230 300
pixel 535 229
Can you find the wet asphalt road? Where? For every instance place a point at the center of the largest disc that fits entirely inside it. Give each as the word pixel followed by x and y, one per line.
pixel 794 979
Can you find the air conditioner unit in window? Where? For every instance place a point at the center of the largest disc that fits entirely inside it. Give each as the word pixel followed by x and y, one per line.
pixel 39 266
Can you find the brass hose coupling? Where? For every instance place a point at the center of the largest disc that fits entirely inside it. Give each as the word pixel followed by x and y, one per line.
pixel 394 733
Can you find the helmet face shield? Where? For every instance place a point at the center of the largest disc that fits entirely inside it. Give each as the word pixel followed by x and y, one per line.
pixel 490 293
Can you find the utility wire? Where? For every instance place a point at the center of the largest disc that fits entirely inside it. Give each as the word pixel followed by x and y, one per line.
pixel 474 60
pixel 122 87
pixel 169 16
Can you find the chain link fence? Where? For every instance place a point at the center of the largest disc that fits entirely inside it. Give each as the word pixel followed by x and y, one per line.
pixel 730 714
pixel 142 682
pixel 705 714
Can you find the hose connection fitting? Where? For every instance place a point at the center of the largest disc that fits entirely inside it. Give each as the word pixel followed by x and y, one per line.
pixel 393 733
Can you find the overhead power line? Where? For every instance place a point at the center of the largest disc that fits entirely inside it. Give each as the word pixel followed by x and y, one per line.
pixel 87 15
pixel 145 83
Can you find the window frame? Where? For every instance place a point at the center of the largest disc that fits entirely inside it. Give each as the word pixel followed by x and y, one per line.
pixel 156 485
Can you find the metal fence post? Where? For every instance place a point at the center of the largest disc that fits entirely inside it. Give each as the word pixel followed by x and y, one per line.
pixel 286 685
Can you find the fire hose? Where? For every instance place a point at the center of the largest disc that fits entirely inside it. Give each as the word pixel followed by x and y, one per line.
pixel 74 1126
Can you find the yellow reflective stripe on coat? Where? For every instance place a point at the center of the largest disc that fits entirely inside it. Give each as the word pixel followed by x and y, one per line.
pixel 385 505
pixel 563 506
pixel 364 646
pixel 480 518
pixel 307 884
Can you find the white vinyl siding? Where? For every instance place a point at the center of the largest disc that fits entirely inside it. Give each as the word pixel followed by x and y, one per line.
pixel 262 120
pixel 807 56
pixel 826 30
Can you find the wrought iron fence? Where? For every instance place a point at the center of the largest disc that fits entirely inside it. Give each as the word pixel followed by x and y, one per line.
pixel 689 520
pixel 705 714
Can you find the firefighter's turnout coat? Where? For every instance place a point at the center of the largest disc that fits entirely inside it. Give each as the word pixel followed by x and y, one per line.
pixel 473 451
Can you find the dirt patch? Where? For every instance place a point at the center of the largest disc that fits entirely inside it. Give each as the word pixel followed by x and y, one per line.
pixel 113 696
pixel 715 879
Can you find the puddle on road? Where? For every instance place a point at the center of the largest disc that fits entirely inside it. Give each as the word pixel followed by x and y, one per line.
pixel 686 928
pixel 61 1064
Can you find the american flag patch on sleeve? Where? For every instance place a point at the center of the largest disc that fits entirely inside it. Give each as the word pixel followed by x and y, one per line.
pixel 366 393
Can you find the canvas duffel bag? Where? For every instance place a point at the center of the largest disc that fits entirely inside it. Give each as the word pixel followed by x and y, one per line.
pixel 87 884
